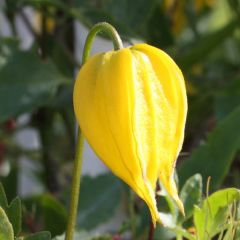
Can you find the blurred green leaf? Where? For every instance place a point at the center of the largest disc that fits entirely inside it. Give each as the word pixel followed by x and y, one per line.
pixel 214 157
pixel 100 197
pixel 11 7
pixel 7 47
pixel 39 236
pixel 6 230
pixel 26 82
pixel 227 99
pixel 52 210
pixel 143 221
pixel 238 233
pixel 10 182
pixel 167 220
pixel 169 204
pixel 63 99
pixel 159 35
pixel 191 194
pixel 49 211
pixel 14 212
pixel 117 13
pixel 3 198
pixel 162 232
pixel 11 218
pixel 43 3
pixel 200 108
pixel 211 218
pixel 199 49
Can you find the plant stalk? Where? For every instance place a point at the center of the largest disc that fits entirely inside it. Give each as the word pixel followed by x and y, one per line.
pixel 77 169
pixel 101 27
pixel 151 231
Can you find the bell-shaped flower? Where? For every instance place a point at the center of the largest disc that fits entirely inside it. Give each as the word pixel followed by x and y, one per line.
pixel 131 106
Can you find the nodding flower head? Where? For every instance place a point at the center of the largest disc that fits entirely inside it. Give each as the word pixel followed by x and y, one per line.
pixel 131 106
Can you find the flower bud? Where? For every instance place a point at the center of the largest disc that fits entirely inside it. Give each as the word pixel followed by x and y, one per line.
pixel 131 106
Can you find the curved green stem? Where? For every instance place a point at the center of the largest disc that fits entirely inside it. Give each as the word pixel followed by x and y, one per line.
pixel 76 181
pixel 101 27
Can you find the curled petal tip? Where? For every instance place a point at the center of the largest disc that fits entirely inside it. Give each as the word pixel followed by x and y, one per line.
pixel 180 205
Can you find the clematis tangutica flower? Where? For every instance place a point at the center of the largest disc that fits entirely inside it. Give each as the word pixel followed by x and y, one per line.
pixel 131 106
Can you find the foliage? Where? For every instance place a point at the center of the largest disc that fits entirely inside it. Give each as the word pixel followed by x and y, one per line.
pixel 11 220
pixel 36 95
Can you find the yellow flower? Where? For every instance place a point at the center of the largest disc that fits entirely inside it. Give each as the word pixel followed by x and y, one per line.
pixel 50 23
pixel 176 11
pixel 131 106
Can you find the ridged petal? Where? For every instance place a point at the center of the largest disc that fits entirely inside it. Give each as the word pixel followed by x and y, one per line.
pixel 173 85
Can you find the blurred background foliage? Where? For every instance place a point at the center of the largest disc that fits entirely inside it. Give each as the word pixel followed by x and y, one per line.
pixel 203 36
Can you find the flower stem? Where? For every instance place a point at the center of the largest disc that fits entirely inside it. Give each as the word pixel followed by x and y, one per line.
pixel 76 181
pixel 77 169
pixel 101 27
pixel 151 231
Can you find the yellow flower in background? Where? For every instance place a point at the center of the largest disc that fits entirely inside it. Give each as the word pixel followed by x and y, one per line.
pixel 50 23
pixel 131 106
pixel 177 11
pixel 200 4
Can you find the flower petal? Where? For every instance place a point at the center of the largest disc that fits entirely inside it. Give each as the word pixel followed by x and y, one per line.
pixel 170 137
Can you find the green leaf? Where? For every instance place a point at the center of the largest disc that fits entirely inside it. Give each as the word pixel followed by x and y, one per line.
pixel 39 236
pixel 11 8
pixel 14 212
pixel 26 83
pixel 52 210
pixel 3 198
pixel 44 3
pixel 99 199
pixel 169 204
pixel 167 220
pixel 159 35
pixel 191 194
pixel 227 99
pixel 7 46
pixel 212 217
pixel 117 13
pixel 199 49
pixel 10 182
pixel 6 230
pixel 238 232
pixel 229 235
pixel 200 107
pixel 199 222
pixel 214 157
pixel 49 211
